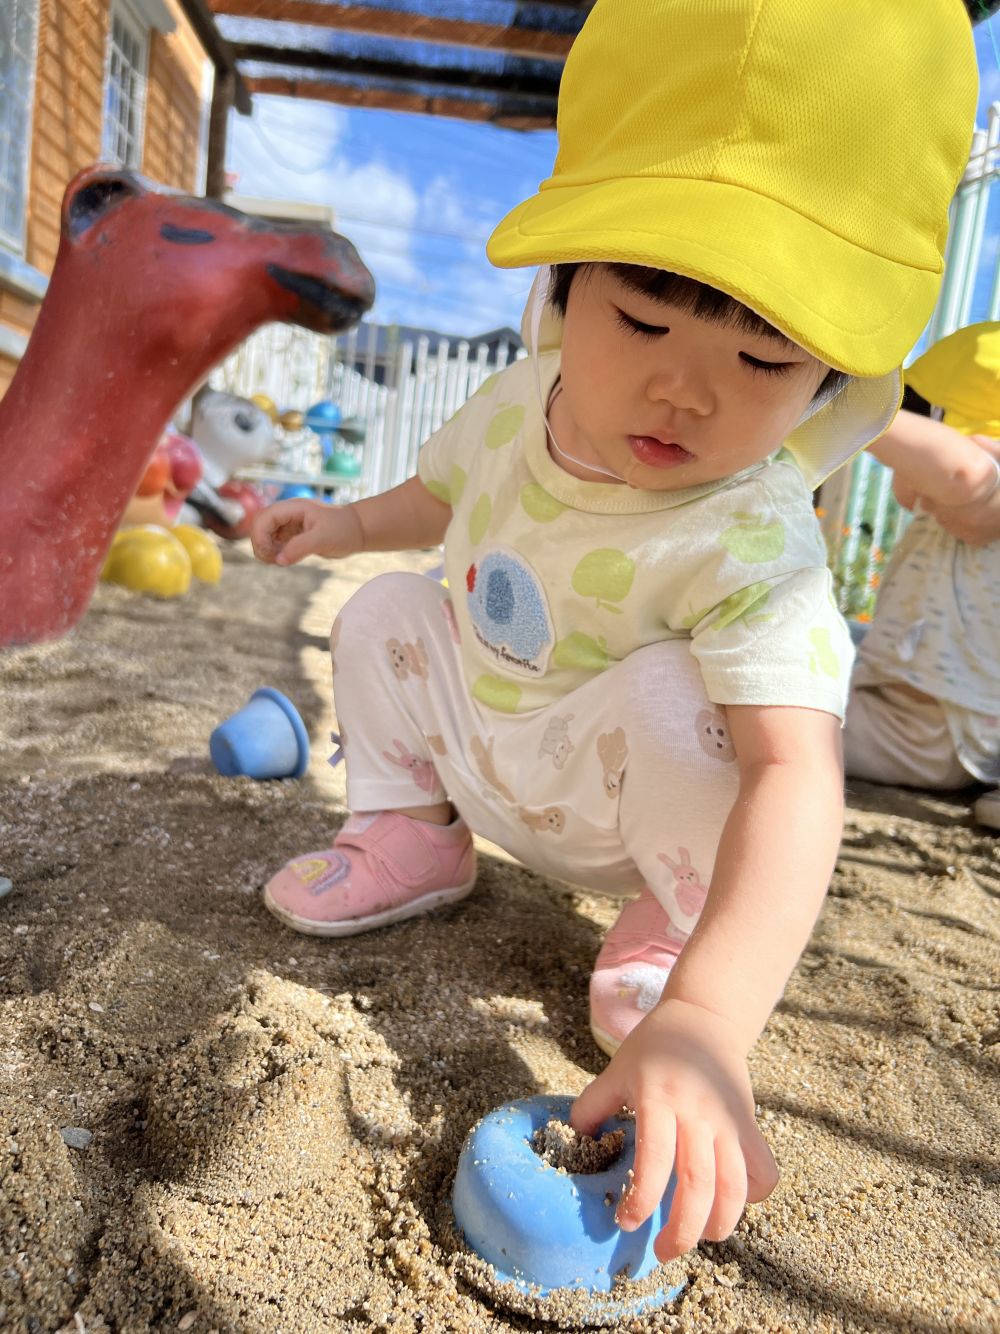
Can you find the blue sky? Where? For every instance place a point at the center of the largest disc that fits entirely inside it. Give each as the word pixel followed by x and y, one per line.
pixel 419 195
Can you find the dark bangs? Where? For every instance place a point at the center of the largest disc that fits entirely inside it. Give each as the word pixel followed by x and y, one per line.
pixel 688 295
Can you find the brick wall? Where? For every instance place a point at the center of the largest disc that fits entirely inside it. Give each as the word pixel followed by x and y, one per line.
pixel 66 125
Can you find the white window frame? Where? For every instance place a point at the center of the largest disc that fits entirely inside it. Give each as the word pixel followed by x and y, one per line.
pixel 122 142
pixel 16 104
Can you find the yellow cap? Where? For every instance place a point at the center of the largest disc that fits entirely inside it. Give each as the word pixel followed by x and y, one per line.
pixel 962 375
pixel 799 156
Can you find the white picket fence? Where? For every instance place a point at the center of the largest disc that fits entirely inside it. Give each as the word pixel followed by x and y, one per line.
pixel 296 368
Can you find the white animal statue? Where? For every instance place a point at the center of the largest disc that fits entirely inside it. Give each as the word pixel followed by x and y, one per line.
pixel 232 433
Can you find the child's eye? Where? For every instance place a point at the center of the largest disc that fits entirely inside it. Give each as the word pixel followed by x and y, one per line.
pixel 632 326
pixel 768 367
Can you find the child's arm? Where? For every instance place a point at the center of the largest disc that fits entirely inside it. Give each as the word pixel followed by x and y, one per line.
pixel 977 522
pixel 936 464
pixel 683 1068
pixel 404 518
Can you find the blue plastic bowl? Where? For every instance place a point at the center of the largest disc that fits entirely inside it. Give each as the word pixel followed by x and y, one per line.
pixel 265 739
pixel 543 1229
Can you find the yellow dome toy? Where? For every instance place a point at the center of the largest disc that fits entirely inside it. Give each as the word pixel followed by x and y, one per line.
pixel 203 550
pixel 148 559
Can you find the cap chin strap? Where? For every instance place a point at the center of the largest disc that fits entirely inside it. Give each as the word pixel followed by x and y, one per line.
pixel 539 296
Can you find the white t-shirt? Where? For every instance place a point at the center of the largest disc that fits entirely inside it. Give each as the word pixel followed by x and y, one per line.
pixel 937 627
pixel 555 579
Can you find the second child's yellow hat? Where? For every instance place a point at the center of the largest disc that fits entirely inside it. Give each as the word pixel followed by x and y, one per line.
pixel 800 156
pixel 961 374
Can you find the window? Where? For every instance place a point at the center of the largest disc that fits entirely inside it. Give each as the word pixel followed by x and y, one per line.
pixel 18 33
pixel 124 89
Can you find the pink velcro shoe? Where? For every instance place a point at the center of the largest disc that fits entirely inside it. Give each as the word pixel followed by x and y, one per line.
pixel 631 969
pixel 381 869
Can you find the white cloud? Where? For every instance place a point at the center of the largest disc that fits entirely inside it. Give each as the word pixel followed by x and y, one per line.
pixel 428 251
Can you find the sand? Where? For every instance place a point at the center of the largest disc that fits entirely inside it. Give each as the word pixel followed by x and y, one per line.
pixel 211 1123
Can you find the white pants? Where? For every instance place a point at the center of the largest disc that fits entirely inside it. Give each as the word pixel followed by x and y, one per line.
pixel 891 736
pixel 628 779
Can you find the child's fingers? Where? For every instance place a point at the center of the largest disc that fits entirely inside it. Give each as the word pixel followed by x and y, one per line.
pixel 694 1193
pixel 762 1170
pixel 730 1189
pixel 271 527
pixel 293 548
pixel 655 1140
pixel 600 1099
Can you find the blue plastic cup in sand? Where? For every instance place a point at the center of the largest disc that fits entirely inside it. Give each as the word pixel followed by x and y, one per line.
pixel 543 1228
pixel 266 739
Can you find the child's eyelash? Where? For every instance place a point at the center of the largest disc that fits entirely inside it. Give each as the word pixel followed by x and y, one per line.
pixel 766 367
pixel 632 326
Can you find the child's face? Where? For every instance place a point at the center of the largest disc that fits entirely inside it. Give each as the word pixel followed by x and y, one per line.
pixel 667 399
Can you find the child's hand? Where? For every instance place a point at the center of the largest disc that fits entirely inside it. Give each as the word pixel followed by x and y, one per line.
pixel 977 521
pixel 973 517
pixel 290 530
pixel 683 1072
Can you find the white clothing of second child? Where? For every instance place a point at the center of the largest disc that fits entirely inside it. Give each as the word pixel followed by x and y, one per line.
pixel 936 629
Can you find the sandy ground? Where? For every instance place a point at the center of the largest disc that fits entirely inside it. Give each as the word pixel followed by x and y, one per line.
pixel 262 1126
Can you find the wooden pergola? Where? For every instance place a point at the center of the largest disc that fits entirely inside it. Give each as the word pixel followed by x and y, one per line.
pixel 440 58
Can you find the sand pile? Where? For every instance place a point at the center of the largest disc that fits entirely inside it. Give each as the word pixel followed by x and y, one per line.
pixel 208 1122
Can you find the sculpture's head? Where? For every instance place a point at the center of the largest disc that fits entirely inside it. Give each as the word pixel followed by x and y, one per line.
pixel 182 255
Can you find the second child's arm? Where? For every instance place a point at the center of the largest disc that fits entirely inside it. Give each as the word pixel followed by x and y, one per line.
pixel 935 462
pixel 407 517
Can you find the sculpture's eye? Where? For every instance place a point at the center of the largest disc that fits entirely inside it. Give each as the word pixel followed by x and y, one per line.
pixel 186 235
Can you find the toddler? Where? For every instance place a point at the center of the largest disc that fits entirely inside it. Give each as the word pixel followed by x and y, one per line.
pixel 636 676
pixel 925 696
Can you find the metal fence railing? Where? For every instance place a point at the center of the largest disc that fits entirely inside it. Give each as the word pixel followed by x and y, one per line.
pixel 860 517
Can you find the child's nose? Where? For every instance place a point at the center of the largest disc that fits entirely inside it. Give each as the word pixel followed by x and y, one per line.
pixel 681 387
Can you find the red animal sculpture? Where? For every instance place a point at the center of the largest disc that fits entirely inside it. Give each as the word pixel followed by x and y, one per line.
pixel 150 290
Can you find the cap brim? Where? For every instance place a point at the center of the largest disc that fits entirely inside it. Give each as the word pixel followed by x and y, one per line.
pixel 855 310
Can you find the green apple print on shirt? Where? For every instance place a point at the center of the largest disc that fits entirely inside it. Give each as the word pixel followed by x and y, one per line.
pixel 479 519
pixel 822 657
pixel 539 505
pixel 606 576
pixel 581 652
pixel 496 693
pixel 739 605
pixel 457 483
pixel 439 491
pixel 754 539
pixel 693 617
pixel 504 426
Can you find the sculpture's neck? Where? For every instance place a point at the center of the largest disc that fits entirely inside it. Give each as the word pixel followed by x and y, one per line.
pixel 77 418
pixel 78 424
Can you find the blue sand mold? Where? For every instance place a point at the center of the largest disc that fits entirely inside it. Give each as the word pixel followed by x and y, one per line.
pixel 544 1229
pixel 221 750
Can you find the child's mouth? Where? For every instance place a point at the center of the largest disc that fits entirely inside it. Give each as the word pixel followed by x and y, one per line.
pixel 657 453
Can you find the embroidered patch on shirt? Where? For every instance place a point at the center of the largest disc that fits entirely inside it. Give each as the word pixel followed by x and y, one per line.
pixel 509 611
